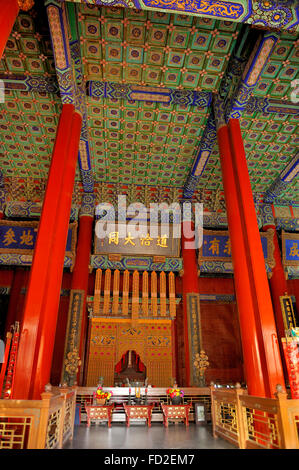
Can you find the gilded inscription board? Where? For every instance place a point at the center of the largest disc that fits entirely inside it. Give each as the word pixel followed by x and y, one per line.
pixel 122 239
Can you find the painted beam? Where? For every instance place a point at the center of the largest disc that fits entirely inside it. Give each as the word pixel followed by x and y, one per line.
pixel 284 179
pixel 270 14
pixel 98 90
pixel 271 106
pixel 102 90
pixel 84 148
pixel 67 63
pixel 256 64
pixel 62 57
pixel 203 153
pixel 37 83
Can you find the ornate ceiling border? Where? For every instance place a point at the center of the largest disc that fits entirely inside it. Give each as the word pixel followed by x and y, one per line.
pixel 264 13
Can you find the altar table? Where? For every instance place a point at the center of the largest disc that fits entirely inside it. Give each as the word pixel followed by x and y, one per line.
pixel 139 412
pixel 99 412
pixel 175 412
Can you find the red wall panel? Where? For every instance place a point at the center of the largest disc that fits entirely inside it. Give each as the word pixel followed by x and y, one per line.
pixel 220 333
pixel 221 342
pixel 6 277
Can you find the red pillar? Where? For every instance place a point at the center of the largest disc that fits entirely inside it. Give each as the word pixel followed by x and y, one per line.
pixel 190 285
pixel 41 305
pixel 55 270
pixel 252 360
pixel 278 287
pixel 255 263
pixel 81 269
pixel 278 282
pixel 9 11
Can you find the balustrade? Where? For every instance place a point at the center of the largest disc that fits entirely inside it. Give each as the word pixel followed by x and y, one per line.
pixel 38 424
pixel 248 422
pixel 254 422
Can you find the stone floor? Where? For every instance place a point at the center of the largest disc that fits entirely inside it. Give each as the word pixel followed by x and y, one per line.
pixel 139 436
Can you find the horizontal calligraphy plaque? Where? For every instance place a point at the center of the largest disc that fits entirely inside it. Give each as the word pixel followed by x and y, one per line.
pixel 216 246
pixel 20 237
pixel 290 248
pixel 123 240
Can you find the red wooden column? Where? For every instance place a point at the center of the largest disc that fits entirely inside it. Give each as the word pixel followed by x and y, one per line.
pixel 76 329
pixel 81 269
pixel 257 276
pixel 277 281
pixel 41 305
pixel 278 287
pixel 249 334
pixel 9 10
pixel 190 286
pixel 55 270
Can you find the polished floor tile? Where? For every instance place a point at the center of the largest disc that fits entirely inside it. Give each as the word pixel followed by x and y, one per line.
pixel 139 436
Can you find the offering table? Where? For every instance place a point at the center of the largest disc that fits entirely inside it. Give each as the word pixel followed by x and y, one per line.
pixel 175 412
pixel 139 412
pixel 100 413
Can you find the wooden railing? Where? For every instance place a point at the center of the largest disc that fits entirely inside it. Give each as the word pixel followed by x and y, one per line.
pixel 38 424
pixel 252 422
pixel 225 410
pixel 157 395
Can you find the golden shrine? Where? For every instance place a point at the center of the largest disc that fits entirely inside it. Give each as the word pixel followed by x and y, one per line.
pixel 146 326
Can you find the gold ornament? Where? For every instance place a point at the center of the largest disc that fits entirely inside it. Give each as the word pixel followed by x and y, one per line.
pixel 72 362
pixel 201 362
pixel 26 5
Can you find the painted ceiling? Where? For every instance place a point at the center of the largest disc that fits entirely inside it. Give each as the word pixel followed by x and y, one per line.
pixel 28 118
pixel 141 143
pixel 146 142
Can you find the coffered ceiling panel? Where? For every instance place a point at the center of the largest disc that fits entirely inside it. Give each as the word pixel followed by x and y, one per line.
pixel 143 142
pixel 146 142
pixel 176 51
pixel 270 140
